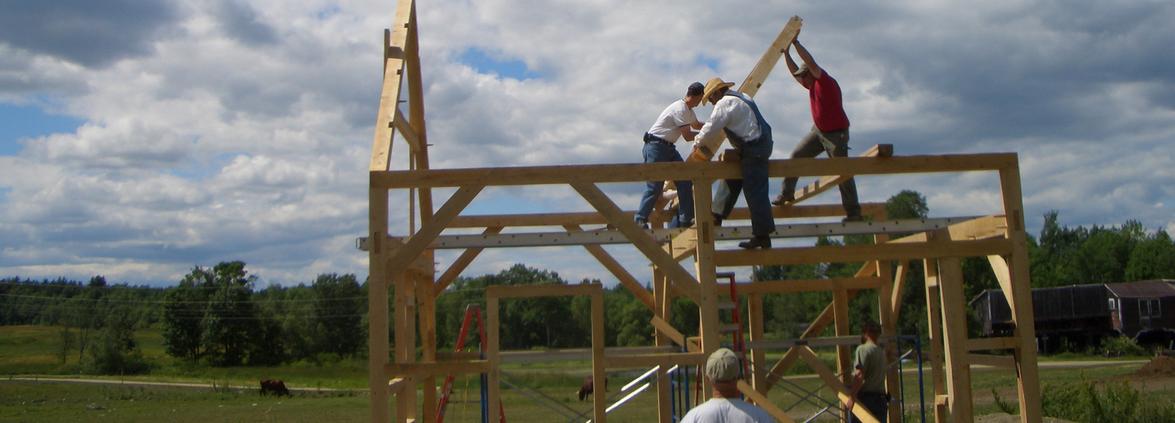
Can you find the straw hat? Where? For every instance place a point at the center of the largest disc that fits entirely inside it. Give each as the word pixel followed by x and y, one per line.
pixel 714 84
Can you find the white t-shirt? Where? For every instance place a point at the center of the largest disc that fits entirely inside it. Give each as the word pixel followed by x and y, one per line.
pixel 727 410
pixel 733 114
pixel 668 125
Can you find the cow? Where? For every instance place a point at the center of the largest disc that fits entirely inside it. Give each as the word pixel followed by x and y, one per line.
pixel 274 387
pixel 587 388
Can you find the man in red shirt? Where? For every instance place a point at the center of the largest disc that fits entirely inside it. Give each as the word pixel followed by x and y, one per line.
pixel 830 132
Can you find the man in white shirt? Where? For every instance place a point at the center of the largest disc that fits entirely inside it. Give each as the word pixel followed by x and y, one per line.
pixel 725 406
pixel 675 122
pixel 738 116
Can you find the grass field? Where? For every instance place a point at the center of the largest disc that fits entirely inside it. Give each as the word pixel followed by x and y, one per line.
pixel 26 350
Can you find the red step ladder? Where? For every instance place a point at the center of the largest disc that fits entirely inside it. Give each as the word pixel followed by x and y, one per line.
pixel 471 311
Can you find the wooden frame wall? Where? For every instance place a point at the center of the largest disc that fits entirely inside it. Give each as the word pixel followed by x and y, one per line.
pixel 404 262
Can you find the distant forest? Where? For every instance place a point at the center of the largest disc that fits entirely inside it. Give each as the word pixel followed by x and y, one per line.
pixel 217 316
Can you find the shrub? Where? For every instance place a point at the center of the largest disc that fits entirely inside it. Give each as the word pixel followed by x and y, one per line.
pixel 1120 345
pixel 1104 402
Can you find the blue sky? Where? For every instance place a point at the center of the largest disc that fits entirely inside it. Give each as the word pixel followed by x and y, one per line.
pixel 18 122
pixel 152 137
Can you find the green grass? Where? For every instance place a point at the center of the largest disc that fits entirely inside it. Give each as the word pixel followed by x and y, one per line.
pixel 26 350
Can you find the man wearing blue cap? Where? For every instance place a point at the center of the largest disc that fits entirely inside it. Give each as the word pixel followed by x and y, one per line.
pixel 675 122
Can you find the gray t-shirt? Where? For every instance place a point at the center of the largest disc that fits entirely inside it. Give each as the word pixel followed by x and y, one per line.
pixel 870 358
pixel 727 410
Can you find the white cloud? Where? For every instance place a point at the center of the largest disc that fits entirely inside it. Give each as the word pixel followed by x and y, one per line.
pixel 242 129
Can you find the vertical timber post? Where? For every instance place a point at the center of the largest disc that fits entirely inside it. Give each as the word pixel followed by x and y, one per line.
pixel 704 265
pixel 1027 374
pixel 377 306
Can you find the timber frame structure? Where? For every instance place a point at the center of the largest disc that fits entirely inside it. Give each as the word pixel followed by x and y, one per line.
pixel 405 263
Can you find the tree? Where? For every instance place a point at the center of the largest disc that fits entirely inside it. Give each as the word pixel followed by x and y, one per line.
pixel 339 305
pixel 230 321
pixel 115 351
pixel 1153 258
pixel 183 315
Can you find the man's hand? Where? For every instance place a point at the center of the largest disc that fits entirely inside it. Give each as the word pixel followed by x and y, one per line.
pixel 850 403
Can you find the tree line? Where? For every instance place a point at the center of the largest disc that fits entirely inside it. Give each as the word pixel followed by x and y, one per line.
pixel 217 315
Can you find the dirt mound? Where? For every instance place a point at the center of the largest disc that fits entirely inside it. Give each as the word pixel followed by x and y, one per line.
pixel 1161 366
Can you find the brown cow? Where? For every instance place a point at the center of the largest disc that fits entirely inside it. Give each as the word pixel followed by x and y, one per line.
pixel 274 387
pixel 587 388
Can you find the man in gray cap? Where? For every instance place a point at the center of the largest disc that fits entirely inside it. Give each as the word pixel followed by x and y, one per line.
pixel 725 405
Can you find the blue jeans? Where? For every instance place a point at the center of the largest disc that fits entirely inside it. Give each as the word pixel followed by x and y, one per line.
pixel 657 151
pixel 753 185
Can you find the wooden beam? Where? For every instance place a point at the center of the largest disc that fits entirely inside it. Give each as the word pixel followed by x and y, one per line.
pixel 665 329
pixel 761 400
pixel 978 228
pixel 1001 361
pixel 807 285
pixel 954 336
pixel 637 172
pixel 827 182
pixel 835 384
pixel 1028 378
pixel 377 308
pixel 460 264
pixel 389 98
pixel 685 282
pixel 853 253
pixel 406 254
pixel 997 343
pixel 899 288
pixel 619 272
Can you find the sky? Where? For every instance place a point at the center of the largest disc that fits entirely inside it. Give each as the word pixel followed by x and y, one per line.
pixel 141 139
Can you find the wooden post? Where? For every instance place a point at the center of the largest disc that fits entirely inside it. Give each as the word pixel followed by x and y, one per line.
pixel 954 336
pixel 705 269
pixel 840 312
pixel 758 355
pixel 377 306
pixel 889 328
pixel 1028 381
pixel 600 397
pixel 493 396
pixel 662 310
pixel 934 326
pixel 405 345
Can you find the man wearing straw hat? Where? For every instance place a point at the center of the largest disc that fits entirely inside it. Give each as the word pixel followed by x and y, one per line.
pixel 737 115
pixel 830 131
pixel 675 122
pixel 725 405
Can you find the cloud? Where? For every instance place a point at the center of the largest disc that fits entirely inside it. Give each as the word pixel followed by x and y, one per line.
pixel 92 34
pixel 240 129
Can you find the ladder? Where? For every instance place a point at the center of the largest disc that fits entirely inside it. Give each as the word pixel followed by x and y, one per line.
pixel 735 327
pixel 471 311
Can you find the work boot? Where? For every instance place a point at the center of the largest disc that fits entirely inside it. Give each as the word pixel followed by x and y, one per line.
pixel 756 242
pixel 644 224
pixel 783 200
pixel 853 218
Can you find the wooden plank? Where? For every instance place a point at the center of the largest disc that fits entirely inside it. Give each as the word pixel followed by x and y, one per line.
pixel 430 230
pixel 594 218
pixel 997 343
pixel 840 315
pixel 405 129
pixel 899 288
pixel 754 80
pixel 663 310
pixel 761 400
pixel 978 228
pixel 853 253
pixel 460 264
pixel 1003 275
pixel 619 272
pixel 685 282
pixel 665 329
pixel 637 172
pixel 828 182
pixel 381 146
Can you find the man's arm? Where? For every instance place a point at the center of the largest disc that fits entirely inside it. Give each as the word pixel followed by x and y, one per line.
pixel 791 64
pixel 687 133
pixel 808 60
